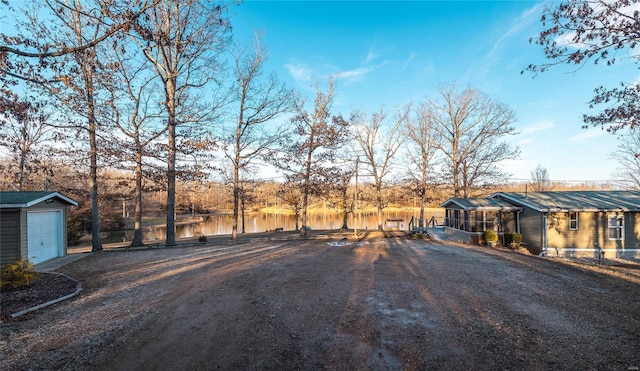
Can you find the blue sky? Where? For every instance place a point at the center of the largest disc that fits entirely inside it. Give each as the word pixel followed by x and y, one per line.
pixel 390 53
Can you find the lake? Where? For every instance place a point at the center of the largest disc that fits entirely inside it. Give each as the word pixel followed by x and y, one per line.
pixel 260 222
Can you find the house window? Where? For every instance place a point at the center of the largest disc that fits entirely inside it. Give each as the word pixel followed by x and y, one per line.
pixel 573 220
pixel 616 227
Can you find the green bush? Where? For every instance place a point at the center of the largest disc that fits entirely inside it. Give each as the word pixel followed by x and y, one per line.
pixel 18 274
pixel 513 237
pixel 75 229
pixel 490 236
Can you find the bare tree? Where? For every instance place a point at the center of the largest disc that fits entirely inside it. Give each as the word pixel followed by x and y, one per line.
pixel 628 157
pixel 260 99
pixel 319 135
pixel 341 188
pixel 540 178
pixel 73 78
pixel 378 146
pixel 22 129
pixel 28 56
pixel 136 115
pixel 578 31
pixel 182 39
pixel 117 17
pixel 247 196
pixel 469 126
pixel 421 153
pixel 290 193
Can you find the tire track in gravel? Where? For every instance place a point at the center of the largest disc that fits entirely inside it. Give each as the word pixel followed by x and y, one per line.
pixel 202 310
pixel 377 304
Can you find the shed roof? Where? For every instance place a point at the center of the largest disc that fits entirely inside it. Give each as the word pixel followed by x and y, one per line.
pixel 28 199
pixel 480 204
pixel 563 201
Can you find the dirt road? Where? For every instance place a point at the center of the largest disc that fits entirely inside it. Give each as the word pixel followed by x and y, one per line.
pixel 373 304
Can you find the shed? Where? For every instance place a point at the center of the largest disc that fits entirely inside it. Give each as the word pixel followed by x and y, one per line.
pixel 33 226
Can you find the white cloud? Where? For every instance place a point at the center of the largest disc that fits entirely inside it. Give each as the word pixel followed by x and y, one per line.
pixel 299 72
pixel 527 17
pixel 354 74
pixel 409 59
pixel 371 55
pixel 538 126
pixel 567 40
pixel 587 135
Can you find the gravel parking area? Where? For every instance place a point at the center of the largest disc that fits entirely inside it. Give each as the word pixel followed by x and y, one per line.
pixel 377 303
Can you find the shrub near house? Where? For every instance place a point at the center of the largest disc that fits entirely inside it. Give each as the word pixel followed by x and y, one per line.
pixel 17 275
pixel 490 237
pixel 512 239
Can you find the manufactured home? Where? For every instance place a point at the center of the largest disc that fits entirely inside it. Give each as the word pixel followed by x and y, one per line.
pixel 571 223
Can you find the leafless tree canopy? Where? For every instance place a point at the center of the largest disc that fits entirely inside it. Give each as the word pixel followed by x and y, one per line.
pixel 133 87
pixel 318 134
pixel 578 31
pixel 182 40
pixel 23 133
pixel 628 157
pixel 471 130
pixel 421 152
pixel 260 99
pixel 378 145
pixel 540 178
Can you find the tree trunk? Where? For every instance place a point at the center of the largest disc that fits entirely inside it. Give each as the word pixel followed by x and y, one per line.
pixel 345 214
pixel 305 187
pixel 345 210
pixel 236 190
pixel 21 171
pixel 242 208
pixel 236 206
pixel 379 206
pixel 171 165
pixel 137 229
pixel 96 241
pixel 305 198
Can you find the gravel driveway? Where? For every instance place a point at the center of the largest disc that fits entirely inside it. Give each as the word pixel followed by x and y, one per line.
pixel 389 303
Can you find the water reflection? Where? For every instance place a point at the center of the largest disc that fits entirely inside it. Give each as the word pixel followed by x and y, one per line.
pixel 260 222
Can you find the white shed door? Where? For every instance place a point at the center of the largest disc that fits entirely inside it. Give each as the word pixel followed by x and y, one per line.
pixel 44 231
